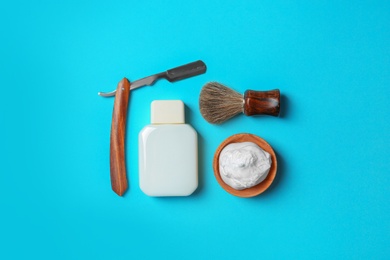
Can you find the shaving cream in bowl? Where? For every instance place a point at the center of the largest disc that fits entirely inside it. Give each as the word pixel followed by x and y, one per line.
pixel 245 165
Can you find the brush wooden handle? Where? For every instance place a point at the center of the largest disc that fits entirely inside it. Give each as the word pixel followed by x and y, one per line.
pixel 117 138
pixel 262 102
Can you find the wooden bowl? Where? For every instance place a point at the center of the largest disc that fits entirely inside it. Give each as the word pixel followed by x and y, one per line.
pixel 262 186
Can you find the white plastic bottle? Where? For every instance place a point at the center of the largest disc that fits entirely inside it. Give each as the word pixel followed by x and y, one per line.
pixel 168 152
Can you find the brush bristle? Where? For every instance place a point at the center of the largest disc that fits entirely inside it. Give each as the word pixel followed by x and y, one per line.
pixel 219 103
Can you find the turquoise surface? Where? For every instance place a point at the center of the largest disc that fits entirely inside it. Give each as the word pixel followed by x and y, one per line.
pixel 331 61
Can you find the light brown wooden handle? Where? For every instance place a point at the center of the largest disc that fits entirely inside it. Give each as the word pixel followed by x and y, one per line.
pixel 117 138
pixel 262 102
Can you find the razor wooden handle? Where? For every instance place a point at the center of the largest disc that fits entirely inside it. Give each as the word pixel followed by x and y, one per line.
pixel 117 138
pixel 262 102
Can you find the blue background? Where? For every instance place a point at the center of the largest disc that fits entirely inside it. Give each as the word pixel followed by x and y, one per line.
pixel 331 61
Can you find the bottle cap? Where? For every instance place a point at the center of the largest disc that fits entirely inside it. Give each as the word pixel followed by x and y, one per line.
pixel 167 112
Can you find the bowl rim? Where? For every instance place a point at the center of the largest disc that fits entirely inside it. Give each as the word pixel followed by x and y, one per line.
pixel 262 186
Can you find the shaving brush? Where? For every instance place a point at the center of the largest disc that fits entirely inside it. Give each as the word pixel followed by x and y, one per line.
pixel 218 103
